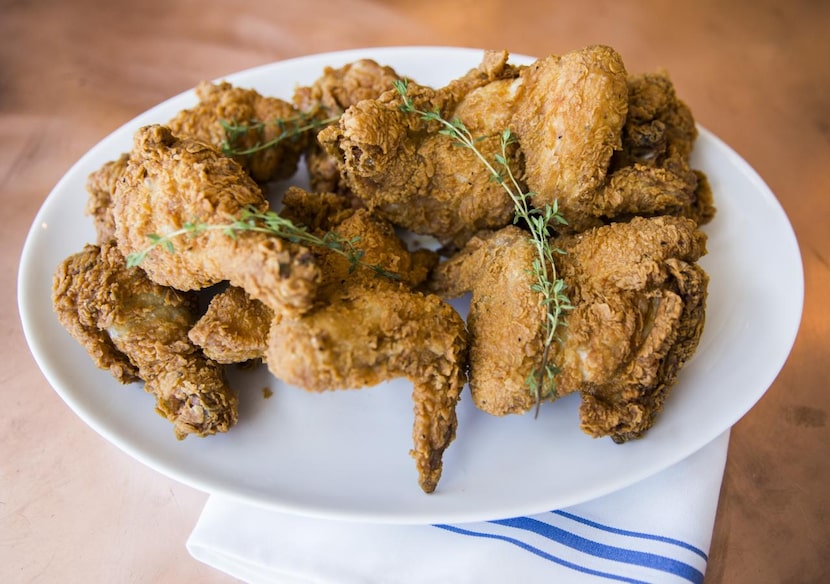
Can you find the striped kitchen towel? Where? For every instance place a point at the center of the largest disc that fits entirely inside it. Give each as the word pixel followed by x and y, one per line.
pixel 656 531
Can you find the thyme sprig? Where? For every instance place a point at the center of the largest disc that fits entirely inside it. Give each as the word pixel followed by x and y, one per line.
pixel 268 222
pixel 290 128
pixel 541 381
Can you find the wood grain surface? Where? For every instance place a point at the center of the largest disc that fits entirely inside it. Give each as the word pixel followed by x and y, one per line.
pixel 73 508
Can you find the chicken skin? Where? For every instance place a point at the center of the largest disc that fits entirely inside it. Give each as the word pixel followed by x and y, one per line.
pixel 265 119
pixel 657 141
pixel 100 187
pixel 173 182
pixel 335 91
pixel 368 328
pixel 638 300
pixel 137 330
pixel 569 116
pixel 234 328
pixel 401 168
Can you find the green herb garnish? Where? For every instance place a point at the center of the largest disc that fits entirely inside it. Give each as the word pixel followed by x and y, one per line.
pixel 540 382
pixel 271 223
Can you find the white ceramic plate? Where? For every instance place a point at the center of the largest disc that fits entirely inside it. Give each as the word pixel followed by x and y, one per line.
pixel 345 454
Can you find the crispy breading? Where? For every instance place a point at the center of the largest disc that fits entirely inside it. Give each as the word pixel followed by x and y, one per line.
pixel 329 96
pixel 638 300
pixel 170 182
pixel 505 317
pixel 100 187
pixel 234 328
pixel 137 329
pixel 401 168
pixel 369 327
pixel 267 116
pixel 569 116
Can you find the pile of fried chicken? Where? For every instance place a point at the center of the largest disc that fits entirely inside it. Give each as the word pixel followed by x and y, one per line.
pixel 610 149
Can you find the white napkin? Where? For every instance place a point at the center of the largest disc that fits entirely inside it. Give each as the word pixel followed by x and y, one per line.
pixel 658 530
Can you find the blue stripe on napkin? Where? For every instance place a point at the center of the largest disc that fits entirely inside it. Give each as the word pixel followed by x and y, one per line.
pixel 519 525
pixel 618 531
pixel 540 553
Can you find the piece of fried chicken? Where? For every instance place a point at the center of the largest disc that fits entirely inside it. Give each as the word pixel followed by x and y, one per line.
pixel 335 91
pixel 173 182
pixel 401 168
pixel 638 299
pixel 241 120
pixel 577 146
pixel 137 330
pixel 368 327
pixel 657 142
pixel 235 327
pixel 569 115
pixel 100 187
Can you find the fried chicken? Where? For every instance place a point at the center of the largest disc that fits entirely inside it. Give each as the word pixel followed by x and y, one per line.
pixel 657 140
pixel 638 297
pixel 335 91
pixel 137 329
pixel 369 327
pixel 570 112
pixel 100 187
pixel 172 182
pixel 259 119
pixel 234 328
pixel 600 144
pixel 401 168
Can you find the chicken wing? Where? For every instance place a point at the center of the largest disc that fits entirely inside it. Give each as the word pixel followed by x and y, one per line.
pixel 171 182
pixel 137 329
pixel 401 333
pixel 258 120
pixel 638 300
pixel 609 146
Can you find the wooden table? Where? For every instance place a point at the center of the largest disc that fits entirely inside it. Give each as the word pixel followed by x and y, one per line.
pixel 757 73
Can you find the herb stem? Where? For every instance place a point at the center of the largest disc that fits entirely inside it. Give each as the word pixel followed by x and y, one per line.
pixel 289 128
pixel 547 284
pixel 270 223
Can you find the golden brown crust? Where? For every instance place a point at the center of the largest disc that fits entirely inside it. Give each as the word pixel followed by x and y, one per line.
pixel 400 334
pixel 403 170
pixel 234 328
pixel 172 181
pixel 367 328
pixel 222 102
pixel 100 187
pixel 639 302
pixel 571 110
pixel 137 329
pixel 505 318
